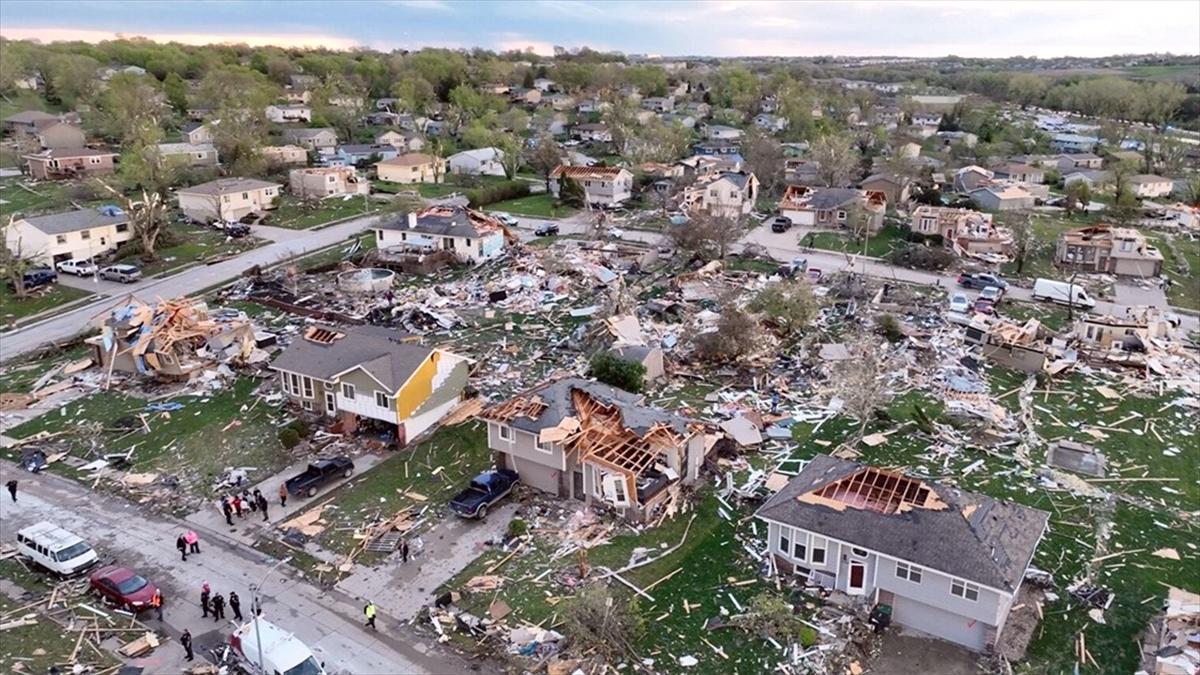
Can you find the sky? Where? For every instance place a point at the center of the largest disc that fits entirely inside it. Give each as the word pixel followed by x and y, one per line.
pixel 914 28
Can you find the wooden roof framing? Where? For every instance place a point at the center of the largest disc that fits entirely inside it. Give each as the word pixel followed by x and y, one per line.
pixel 882 491
pixel 520 406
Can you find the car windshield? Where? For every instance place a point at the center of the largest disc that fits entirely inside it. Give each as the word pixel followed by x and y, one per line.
pixel 132 585
pixel 308 666
pixel 72 552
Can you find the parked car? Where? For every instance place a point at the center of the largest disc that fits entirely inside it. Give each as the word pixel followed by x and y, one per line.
pixel 50 546
pixel 122 587
pixel 981 280
pixel 960 303
pixel 984 306
pixel 37 277
pixel 505 218
pixel 126 274
pixel 486 489
pixel 317 474
pixel 281 652
pixel 616 232
pixel 80 268
pixel 992 294
pixel 780 224
pixel 546 230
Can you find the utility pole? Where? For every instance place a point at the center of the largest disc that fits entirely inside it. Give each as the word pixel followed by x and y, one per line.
pixel 256 609
pixel 1071 297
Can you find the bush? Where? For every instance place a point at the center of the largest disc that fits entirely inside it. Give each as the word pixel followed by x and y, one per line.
pixel 497 192
pixel 772 615
pixel 597 620
pixel 613 370
pixel 517 527
pixel 916 256
pixel 289 438
pixel 300 427
pixel 889 326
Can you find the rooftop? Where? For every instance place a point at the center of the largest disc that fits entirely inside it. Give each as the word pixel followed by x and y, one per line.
pixel 324 352
pixel 75 221
pixel 224 186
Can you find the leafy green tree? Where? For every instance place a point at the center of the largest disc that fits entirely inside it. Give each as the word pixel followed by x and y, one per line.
pixel 545 157
pixel 837 159
pixel 1027 89
pixel 790 306
pixel 71 78
pixel 177 92
pixel 612 369
pixel 1078 195
pixel 128 102
pixel 735 87
pixel 527 81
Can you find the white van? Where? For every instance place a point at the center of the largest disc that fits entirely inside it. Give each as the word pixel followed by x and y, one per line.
pixel 282 652
pixel 55 549
pixel 1063 293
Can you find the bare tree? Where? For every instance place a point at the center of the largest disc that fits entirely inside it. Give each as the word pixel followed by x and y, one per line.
pixel 862 382
pixel 837 159
pixel 707 235
pixel 597 620
pixel 737 336
pixel 147 217
pixel 15 260
pixel 545 157
pixel 764 158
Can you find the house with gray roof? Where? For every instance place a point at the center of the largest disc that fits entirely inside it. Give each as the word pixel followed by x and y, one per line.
pixel 579 439
pixel 81 234
pixel 948 562
pixel 728 194
pixel 472 236
pixel 311 139
pixel 371 377
pixel 227 199
pixel 832 208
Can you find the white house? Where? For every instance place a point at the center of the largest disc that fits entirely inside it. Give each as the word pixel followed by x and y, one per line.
pixel 227 199
pixel 1151 186
pixel 602 185
pixel 729 194
pixel 478 162
pixel 473 236
pixel 720 132
pixel 292 112
pixel 73 235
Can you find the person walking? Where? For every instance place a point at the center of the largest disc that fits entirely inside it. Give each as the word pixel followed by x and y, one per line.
pixel 249 500
pixel 227 510
pixel 282 495
pixel 12 489
pixel 369 611
pixel 235 606
pixel 262 505
pixel 186 641
pixel 218 607
pixel 193 541
pixel 204 595
pixel 156 601
pixel 181 544
pixel 404 550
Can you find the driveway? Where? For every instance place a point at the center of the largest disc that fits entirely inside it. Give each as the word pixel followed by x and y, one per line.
pixel 907 651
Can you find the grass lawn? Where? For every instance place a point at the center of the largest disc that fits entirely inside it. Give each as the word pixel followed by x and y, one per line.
pixel 366 242
pixel 539 206
pixel 20 375
pixel 1039 259
pixel 195 443
pixel 1185 288
pixel 194 245
pixel 436 468
pixel 38 647
pixel 20 197
pixel 296 214
pixel 1053 317
pixel 878 246
pixel 13 309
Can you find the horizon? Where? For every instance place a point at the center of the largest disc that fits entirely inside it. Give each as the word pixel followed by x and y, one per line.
pixel 899 30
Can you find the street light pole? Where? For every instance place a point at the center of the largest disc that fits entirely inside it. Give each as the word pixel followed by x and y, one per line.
pixel 256 608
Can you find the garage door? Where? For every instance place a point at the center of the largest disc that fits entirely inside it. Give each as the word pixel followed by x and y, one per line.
pixel 539 476
pixel 938 622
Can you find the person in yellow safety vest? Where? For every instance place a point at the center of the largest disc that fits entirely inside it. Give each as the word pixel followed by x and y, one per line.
pixel 369 610
pixel 156 601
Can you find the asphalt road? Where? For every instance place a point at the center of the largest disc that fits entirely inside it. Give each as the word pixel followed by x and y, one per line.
pixel 329 623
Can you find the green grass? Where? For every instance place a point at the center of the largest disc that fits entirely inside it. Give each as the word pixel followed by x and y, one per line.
pixel 297 214
pixel 460 451
pixel 878 246
pixel 25 575
pixel 539 206
pixel 1053 317
pixel 192 245
pixel 42 645
pixel 1185 288
pixel 20 375
pixel 14 309
pixel 1039 259
pixel 337 253
pixel 27 199
pixel 194 443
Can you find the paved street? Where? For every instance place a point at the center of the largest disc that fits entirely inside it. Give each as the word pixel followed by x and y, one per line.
pixel 71 322
pixel 328 622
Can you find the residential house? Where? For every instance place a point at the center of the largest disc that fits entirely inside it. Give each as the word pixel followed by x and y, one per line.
pixel 404 141
pixel 1094 178
pixel 1074 143
pixel 1063 162
pixel 720 132
pixel 800 171
pixel 948 562
pixel 347 101
pixel 312 139
pixel 770 123
pixel 327 181
pixel 659 104
pixel 543 84
pixel 382 118
pixel 578 439
pixel 478 162
pixel 1019 172
pixel 697 167
pixel 894 187
pixel 554 124
pixel 680 119
pixel 940 103
pixel 589 106
pixel 592 133
pixel 728 194
pixel 414 167
pixel 387 103
pixel 926 119
pixel 910 150
pixel 1003 197
pixel 371 377
pixel 64 163
pixel 558 101
pixel 197 133
pixel 965 231
pixel 1105 249
pixel 955 137
pixel 1128 332
pixel 290 112
pixel 25 123
pixel 60 135
pixel 971 178
pixel 523 96
pixel 356 154
pixel 285 155
pixel 82 234
pixel 227 199
pixel 199 112
pixel 1131 157
pixel 302 96
pixel 472 236
pixel 189 154
pixel 699 109
pixel 831 207
pixel 1149 186
pixel 718 147
pixel 602 185
pixel 768 104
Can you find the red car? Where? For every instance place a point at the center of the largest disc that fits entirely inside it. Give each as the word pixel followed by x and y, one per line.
pixel 984 306
pixel 123 587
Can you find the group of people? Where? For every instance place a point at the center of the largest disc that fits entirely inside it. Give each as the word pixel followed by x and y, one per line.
pixel 188 542
pixel 240 503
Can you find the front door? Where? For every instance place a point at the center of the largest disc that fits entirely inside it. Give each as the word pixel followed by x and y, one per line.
pixel 577 485
pixel 858 578
pixel 330 408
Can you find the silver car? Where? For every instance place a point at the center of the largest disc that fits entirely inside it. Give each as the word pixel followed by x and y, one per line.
pixel 126 274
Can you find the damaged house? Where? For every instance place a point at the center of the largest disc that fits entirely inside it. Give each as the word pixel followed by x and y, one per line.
pixel 966 231
pixel 1104 249
pixel 588 441
pixel 371 374
pixel 947 561
pixel 472 236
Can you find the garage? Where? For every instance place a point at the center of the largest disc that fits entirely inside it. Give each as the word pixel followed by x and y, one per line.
pixel 533 474
pixel 939 623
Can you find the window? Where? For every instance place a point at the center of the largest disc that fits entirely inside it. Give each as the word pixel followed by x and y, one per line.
pixel 383 400
pixel 347 390
pixel 504 432
pixel 785 541
pixel 818 546
pixel 964 590
pixel 307 405
pixel 245 195
pixel 85 235
pixel 800 546
pixel 62 239
pixel 308 386
pixel 448 243
pixel 859 552
pixel 544 447
pixel 841 215
pixel 122 227
pixel 226 198
pixel 910 572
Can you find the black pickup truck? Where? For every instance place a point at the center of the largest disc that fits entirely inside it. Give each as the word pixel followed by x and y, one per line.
pixel 317 474
pixel 486 489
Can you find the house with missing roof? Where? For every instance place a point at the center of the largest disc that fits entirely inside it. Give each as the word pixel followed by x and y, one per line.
pixel 472 236
pixel 327 181
pixel 66 163
pixel 1105 249
pixel 583 440
pixel 190 154
pixel 831 207
pixel 227 199
pixel 602 185
pixel 371 377
pixel 73 235
pixel 729 194
pixel 949 562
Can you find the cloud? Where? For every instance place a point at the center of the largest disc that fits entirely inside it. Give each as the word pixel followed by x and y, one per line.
pixel 49 34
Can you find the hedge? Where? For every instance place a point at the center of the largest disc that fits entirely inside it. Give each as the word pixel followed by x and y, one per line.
pixel 497 192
